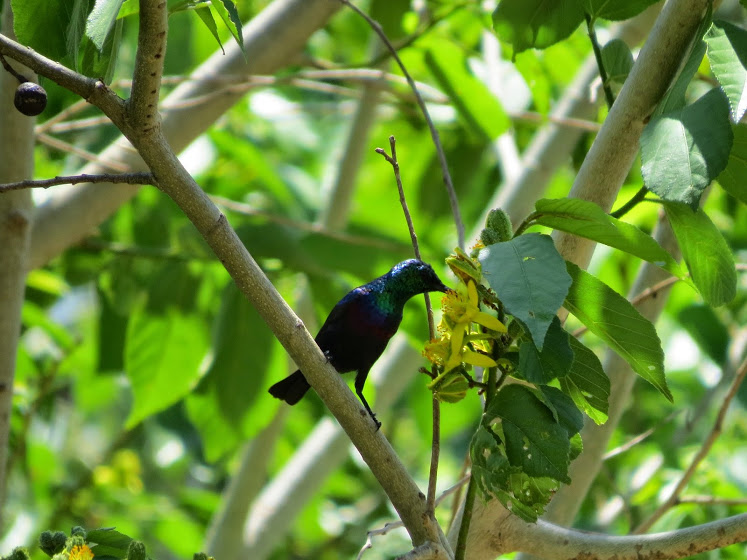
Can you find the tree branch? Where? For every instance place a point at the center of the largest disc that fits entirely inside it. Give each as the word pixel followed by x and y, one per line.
pixel 552 542
pixel 128 178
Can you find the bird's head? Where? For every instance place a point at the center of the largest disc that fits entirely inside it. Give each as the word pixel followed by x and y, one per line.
pixel 418 276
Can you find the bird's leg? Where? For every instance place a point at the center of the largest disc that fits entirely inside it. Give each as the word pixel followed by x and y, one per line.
pixel 360 380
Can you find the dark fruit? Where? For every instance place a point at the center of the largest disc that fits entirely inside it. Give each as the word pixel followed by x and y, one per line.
pixel 30 99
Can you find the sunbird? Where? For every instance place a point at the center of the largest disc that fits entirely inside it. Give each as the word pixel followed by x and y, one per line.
pixel 359 327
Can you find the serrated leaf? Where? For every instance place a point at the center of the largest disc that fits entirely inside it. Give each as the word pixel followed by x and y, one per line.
pixel 162 360
pixel 474 102
pixel 227 12
pixel 617 60
pixel 734 177
pixel 528 275
pixel 534 441
pixel 586 383
pixel 555 359
pixel 727 52
pixel 613 319
pixel 206 16
pixel 586 219
pixel 615 10
pixel 535 24
pixel 705 252
pixel 683 151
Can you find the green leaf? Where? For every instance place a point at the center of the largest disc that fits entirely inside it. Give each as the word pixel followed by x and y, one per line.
pixel 555 359
pixel 242 347
pixel 683 151
pixel 101 21
pixel 615 10
pixel 162 360
pixel 472 99
pixel 705 252
pixel 226 10
pixel 586 219
pixel 617 60
pixel 534 440
pixel 109 543
pixel 707 329
pixel 529 277
pixel 100 63
pixel 734 177
pixel 535 24
pixel 613 319
pixel 727 53
pixel 586 383
pixel 44 25
pixel 566 413
pixel 206 16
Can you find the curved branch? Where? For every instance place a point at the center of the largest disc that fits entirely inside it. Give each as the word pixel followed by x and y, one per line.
pixel 552 542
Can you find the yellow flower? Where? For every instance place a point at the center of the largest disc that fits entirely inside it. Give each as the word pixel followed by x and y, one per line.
pixel 459 313
pixel 81 552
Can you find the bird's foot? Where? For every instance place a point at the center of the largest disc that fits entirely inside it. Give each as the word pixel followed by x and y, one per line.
pixel 373 417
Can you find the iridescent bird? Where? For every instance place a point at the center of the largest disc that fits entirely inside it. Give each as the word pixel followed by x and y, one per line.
pixel 360 325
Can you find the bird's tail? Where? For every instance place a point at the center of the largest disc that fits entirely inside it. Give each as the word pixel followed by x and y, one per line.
pixel 291 389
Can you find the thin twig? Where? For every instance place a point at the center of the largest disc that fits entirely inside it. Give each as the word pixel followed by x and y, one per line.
pixel 142 178
pixel 397 524
pixel 436 439
pixel 434 133
pixel 699 456
pixel 712 501
pixel 67 147
pixel 639 438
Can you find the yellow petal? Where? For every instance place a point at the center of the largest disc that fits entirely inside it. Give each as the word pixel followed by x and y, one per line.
pixel 487 320
pixel 477 359
pixel 472 291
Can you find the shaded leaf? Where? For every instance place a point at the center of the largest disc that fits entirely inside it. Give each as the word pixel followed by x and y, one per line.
pixel 615 10
pixel 705 252
pixel 528 275
pixel 555 359
pixel 535 24
pixel 734 177
pixel 586 383
pixel 683 151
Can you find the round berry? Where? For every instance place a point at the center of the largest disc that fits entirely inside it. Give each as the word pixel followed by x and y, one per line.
pixel 30 99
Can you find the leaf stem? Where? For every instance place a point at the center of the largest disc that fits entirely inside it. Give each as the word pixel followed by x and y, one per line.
pixel 630 204
pixel 469 504
pixel 609 96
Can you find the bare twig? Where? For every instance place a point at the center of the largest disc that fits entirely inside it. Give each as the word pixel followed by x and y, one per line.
pixel 639 438
pixel 712 501
pixel 20 77
pixel 434 133
pixel 436 439
pixel 67 147
pixel 699 456
pixel 128 178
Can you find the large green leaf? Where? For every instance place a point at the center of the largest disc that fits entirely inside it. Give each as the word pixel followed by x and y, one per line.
pixel 534 439
pixel 555 359
pixel 734 177
pixel 529 276
pixel 613 319
pixel 162 359
pixel 683 151
pixel 52 28
pixel 101 20
pixel 615 10
pixel 727 53
pixel 472 99
pixel 535 23
pixel 706 253
pixel 586 383
pixel 588 220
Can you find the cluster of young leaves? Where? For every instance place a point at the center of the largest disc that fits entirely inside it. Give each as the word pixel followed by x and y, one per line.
pixel 103 544
pixel 86 35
